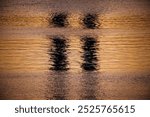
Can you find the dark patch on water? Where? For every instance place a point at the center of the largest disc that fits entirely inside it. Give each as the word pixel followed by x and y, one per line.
pixel 59 20
pixel 90 21
pixel 89 54
pixel 58 54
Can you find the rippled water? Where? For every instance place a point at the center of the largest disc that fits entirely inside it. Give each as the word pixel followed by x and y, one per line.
pixel 75 49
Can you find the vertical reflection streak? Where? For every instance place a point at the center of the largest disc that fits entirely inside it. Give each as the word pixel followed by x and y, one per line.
pixel 59 66
pixel 89 65
pixel 58 54
pixel 89 54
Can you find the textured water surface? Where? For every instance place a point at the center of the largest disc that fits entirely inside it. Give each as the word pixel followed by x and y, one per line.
pixel 77 49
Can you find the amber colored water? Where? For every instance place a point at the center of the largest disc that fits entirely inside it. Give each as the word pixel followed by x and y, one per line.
pixel 41 61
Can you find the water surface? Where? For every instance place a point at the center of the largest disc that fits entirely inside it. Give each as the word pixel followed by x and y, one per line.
pixel 75 49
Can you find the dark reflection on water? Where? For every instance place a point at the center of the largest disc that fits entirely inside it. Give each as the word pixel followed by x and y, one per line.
pixel 89 65
pixel 125 43
pixel 89 84
pixel 56 86
pixel 59 20
pixel 89 53
pixel 90 21
pixel 58 54
pixel 58 79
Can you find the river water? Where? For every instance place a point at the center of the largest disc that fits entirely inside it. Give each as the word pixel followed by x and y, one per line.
pixel 75 49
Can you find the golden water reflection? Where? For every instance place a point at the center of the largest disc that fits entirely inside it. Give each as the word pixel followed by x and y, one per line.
pixel 121 48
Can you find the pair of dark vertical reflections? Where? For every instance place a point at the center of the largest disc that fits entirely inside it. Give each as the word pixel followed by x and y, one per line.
pixel 89 21
pixel 89 54
pixel 59 54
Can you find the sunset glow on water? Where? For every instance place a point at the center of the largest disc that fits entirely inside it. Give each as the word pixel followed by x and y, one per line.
pixel 42 58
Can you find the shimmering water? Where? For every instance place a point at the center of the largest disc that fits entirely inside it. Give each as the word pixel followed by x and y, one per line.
pixel 75 49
